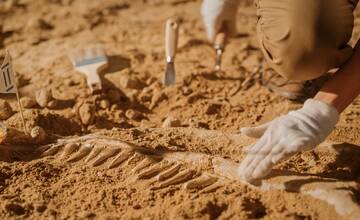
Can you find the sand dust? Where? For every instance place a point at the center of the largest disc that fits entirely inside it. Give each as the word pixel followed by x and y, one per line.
pixel 140 150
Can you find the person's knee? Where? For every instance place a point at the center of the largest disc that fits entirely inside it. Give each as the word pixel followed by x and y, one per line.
pixel 298 38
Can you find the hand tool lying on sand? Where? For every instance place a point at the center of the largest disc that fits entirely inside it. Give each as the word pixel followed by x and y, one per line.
pixel 171 39
pixel 219 46
pixel 90 61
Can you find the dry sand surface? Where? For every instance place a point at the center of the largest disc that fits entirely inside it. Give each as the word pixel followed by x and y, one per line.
pixel 140 150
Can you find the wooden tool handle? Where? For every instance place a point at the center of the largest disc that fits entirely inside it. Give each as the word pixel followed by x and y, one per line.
pixel 171 38
pixel 93 80
pixel 221 37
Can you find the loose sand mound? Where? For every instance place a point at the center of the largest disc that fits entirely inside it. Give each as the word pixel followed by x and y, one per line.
pixel 106 155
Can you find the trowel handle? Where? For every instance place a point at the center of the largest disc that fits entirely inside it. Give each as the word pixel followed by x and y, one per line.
pixel 221 38
pixel 171 38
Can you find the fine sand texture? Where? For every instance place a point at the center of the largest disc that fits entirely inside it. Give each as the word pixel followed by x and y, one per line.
pixel 138 149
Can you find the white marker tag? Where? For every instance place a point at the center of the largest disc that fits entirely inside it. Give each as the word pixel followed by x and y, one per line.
pixel 7 78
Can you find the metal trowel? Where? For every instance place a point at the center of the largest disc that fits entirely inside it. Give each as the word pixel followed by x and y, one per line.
pixel 219 46
pixel 171 39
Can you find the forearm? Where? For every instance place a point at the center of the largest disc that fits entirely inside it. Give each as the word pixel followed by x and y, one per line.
pixel 344 86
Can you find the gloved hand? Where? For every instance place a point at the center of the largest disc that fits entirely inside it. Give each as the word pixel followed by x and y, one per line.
pixel 285 136
pixel 215 13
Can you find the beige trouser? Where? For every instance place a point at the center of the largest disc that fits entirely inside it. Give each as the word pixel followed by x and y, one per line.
pixel 303 39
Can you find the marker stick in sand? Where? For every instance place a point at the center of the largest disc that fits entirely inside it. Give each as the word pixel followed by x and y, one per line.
pixel 8 85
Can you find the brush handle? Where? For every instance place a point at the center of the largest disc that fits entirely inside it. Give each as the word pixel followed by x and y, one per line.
pixel 171 39
pixel 221 38
pixel 94 81
pixel 92 77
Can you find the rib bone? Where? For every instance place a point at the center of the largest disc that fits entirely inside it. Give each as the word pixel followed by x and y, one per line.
pixel 124 155
pixel 153 170
pixel 212 187
pixel 83 151
pixel 134 158
pixel 104 155
pixel 169 173
pixel 51 151
pixel 69 149
pixel 94 152
pixel 145 163
pixel 201 182
pixel 179 178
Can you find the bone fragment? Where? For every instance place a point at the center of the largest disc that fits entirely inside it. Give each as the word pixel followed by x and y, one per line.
pixel 179 178
pixel 83 151
pixel 124 155
pixel 200 182
pixel 168 173
pixel 152 171
pixel 104 155
pixel 69 149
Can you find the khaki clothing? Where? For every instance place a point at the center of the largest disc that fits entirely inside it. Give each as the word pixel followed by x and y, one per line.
pixel 304 39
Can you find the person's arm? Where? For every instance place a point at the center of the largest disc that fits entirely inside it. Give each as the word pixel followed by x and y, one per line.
pixel 217 13
pixel 344 87
pixel 302 129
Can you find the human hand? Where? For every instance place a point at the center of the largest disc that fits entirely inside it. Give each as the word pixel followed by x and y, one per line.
pixel 216 13
pixel 285 136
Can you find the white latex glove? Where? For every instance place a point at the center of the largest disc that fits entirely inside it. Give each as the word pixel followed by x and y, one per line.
pixel 215 13
pixel 285 136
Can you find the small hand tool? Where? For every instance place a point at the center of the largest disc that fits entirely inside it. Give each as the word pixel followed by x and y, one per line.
pixel 89 61
pixel 219 46
pixel 171 39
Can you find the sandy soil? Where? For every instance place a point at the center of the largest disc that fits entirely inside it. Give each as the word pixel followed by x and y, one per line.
pixel 108 156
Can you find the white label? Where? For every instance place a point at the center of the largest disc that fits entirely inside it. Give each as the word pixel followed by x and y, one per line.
pixel 7 79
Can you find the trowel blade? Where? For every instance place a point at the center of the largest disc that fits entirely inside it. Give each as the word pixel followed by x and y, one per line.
pixel 169 78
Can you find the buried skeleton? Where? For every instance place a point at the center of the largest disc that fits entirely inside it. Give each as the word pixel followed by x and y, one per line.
pixel 197 172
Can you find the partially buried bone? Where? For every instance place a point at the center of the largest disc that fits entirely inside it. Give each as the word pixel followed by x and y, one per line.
pixel 200 182
pixel 81 153
pixel 51 151
pixel 94 152
pixel 145 163
pixel 153 170
pixel 104 155
pixel 69 149
pixel 134 158
pixel 124 155
pixel 215 173
pixel 169 173
pixel 179 178
pixel 212 188
pixel 226 168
